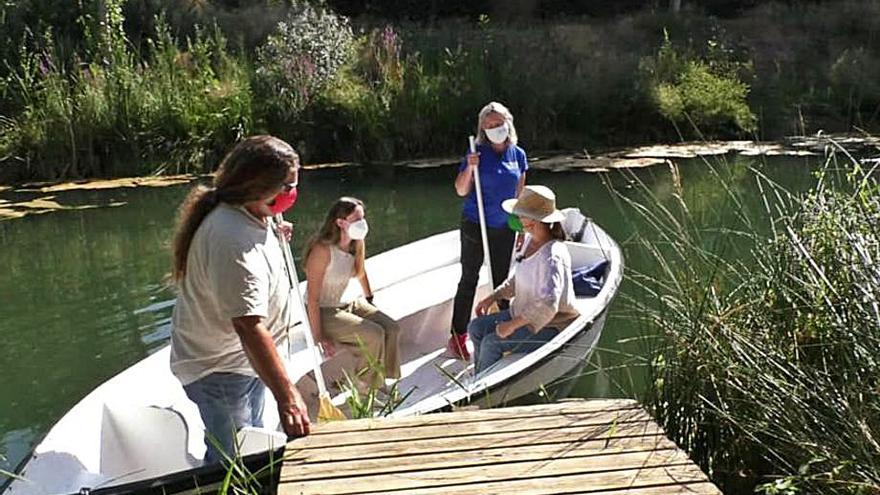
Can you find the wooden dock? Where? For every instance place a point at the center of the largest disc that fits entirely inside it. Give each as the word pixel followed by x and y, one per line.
pixel 590 446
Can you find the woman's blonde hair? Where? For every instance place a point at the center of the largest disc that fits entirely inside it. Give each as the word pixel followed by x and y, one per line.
pixel 494 106
pixel 251 170
pixel 330 233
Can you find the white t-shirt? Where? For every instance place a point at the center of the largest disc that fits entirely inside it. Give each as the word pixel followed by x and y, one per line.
pixel 235 267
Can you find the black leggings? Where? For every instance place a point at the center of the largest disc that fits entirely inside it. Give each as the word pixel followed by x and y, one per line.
pixel 500 248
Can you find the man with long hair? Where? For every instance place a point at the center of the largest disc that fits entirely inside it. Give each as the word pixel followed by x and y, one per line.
pixel 229 327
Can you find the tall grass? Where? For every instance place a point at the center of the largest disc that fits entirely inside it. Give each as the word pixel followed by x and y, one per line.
pixel 765 365
pixel 113 111
pixel 366 392
pixel 241 479
pixel 85 100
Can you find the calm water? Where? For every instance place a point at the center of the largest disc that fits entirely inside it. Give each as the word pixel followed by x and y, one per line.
pixel 82 294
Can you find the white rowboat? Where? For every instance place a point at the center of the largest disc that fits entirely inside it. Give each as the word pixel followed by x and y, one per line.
pixel 138 431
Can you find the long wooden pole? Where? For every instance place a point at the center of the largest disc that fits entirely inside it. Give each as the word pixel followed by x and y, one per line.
pixel 487 260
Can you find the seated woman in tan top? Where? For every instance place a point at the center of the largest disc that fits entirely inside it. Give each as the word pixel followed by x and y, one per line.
pixel 333 256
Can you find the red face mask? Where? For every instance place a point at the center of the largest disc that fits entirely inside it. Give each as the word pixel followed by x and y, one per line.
pixel 283 201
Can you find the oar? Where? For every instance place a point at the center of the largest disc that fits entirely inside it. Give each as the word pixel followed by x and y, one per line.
pixel 481 212
pixel 487 261
pixel 326 410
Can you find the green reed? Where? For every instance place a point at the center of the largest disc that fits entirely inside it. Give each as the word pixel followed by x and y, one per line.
pixel 367 395
pixel 242 480
pixel 764 367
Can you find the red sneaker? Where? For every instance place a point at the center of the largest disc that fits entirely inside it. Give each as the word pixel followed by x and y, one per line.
pixel 457 346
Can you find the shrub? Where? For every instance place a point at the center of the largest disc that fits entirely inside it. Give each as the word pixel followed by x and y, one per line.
pixel 707 95
pixel 367 95
pixel 383 105
pixel 301 57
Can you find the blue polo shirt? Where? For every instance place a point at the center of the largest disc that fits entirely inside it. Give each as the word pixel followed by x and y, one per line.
pixel 499 176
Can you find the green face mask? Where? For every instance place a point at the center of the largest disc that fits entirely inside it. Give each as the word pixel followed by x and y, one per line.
pixel 514 223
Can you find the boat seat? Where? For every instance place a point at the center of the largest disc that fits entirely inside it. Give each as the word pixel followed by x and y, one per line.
pixel 426 255
pixel 574 224
pixel 584 254
pixel 422 291
pixel 141 442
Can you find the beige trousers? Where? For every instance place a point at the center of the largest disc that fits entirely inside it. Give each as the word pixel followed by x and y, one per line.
pixel 369 334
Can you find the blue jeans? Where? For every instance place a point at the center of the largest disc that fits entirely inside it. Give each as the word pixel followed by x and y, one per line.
pixel 227 402
pixel 489 347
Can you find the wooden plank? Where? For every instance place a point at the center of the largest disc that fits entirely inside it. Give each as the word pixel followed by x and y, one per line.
pixel 421 460
pixel 622 470
pixel 481 415
pixel 600 447
pixel 570 485
pixel 469 442
pixel 697 488
pixel 598 420
pixel 660 480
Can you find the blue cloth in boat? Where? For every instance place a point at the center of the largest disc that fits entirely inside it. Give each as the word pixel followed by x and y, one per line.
pixel 499 176
pixel 588 280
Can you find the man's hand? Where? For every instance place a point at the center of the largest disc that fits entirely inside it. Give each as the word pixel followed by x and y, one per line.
pixel 260 349
pixel 285 229
pixel 294 415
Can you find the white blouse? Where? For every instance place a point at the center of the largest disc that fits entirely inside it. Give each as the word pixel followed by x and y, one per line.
pixel 541 288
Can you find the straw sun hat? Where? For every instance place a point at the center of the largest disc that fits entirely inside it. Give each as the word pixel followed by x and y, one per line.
pixel 535 202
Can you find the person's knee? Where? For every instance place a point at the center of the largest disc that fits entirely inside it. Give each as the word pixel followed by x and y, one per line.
pixel 371 335
pixel 469 278
pixel 490 340
pixel 391 326
pixel 470 270
pixel 475 328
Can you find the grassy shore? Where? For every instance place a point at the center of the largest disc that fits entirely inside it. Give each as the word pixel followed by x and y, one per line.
pixel 104 95
pixel 764 346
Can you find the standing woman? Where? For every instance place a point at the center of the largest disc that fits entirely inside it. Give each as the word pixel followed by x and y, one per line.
pixel 333 256
pixel 502 166
pixel 229 325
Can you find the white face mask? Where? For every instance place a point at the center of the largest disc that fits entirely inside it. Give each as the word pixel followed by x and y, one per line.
pixel 498 134
pixel 358 230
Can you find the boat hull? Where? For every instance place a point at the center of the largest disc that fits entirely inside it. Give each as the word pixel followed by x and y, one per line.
pixel 552 376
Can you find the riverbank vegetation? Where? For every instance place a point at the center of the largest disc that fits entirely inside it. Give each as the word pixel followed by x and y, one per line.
pixel 764 336
pixel 130 87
